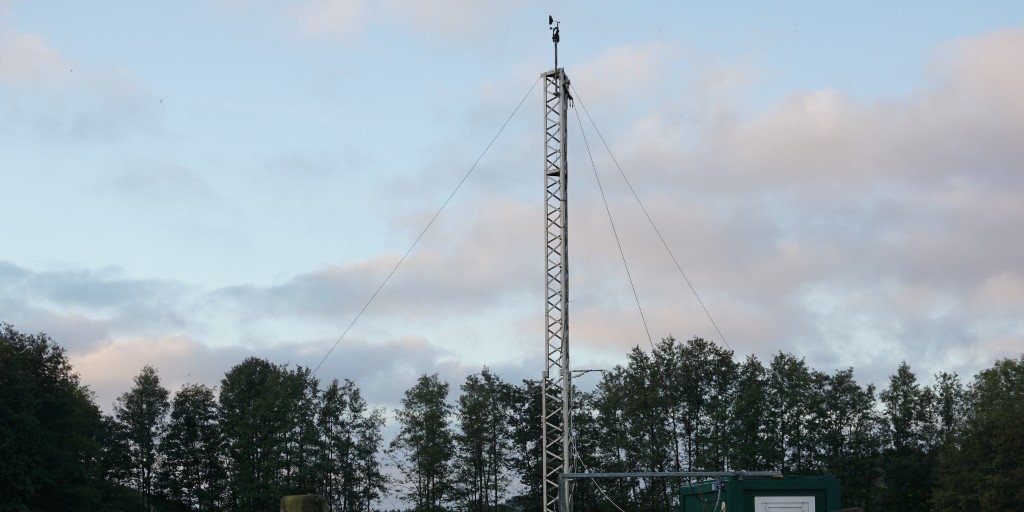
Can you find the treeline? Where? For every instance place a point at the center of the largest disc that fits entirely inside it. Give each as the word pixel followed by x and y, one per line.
pixel 269 430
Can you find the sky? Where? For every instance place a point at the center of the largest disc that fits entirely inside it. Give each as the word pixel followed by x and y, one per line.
pixel 187 184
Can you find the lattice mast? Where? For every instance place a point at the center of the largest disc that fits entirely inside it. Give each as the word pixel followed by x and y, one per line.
pixel 556 382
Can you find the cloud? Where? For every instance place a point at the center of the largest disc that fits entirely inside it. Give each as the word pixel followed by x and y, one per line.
pixel 46 96
pixel 381 370
pixel 823 142
pixel 26 59
pixel 162 182
pixel 86 307
pixel 109 369
pixel 112 326
pixel 89 108
pixel 854 231
pixel 448 18
pixel 623 74
pixel 110 106
pixel 355 20
pixel 341 19
pixel 985 69
pixel 455 269
pixel 1000 290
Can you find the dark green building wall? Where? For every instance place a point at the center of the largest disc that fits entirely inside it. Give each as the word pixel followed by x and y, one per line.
pixel 738 495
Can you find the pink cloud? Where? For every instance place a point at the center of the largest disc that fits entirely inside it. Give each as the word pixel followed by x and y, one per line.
pixel 28 59
pixel 336 19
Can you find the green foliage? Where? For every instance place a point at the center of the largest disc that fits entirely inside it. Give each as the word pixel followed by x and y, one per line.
pixel 908 411
pixel 909 461
pixel 425 442
pixel 273 431
pixel 791 400
pixel 751 432
pixel 49 429
pixel 525 460
pixel 192 472
pixel 643 434
pixel 708 402
pixel 483 443
pixel 690 406
pixel 668 411
pixel 950 406
pixel 351 476
pixel 140 415
pixel 848 435
pixel 983 467
pixel 297 401
pixel 367 468
pixel 254 430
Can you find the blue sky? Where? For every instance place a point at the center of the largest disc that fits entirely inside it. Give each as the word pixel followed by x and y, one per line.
pixel 189 183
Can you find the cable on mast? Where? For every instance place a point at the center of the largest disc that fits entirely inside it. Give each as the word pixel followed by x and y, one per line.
pixel 653 225
pixel 424 231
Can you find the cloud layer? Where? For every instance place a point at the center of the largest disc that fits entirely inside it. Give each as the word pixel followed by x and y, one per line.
pixel 854 232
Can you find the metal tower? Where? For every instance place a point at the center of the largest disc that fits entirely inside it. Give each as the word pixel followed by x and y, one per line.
pixel 556 382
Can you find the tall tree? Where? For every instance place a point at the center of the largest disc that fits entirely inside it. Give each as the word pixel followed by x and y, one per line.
pixel 141 413
pixel 643 410
pixel 668 369
pixel 255 426
pixel 351 475
pixel 715 372
pixel 951 406
pixel 605 441
pixel 752 425
pixel 337 443
pixel 369 441
pixel 848 436
pixel 696 381
pixel 116 466
pixel 587 446
pixel 525 460
pixel 790 399
pixel 483 441
pixel 49 429
pixel 425 442
pixel 630 431
pixel 983 468
pixel 192 472
pixel 909 460
pixel 297 395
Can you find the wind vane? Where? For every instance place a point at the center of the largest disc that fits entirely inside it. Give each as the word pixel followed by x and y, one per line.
pixel 554 35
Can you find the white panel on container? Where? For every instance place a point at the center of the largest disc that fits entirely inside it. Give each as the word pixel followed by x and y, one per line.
pixel 784 503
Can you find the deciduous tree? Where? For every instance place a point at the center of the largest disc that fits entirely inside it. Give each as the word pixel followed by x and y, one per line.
pixel 141 414
pixel 192 472
pixel 789 397
pixel 983 468
pixel 525 460
pixel 483 441
pixel 49 429
pixel 297 395
pixel 751 428
pixel 425 443
pixel 350 432
pixel 909 460
pixel 254 428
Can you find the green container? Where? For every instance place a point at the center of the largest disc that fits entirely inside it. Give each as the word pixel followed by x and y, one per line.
pixel 761 494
